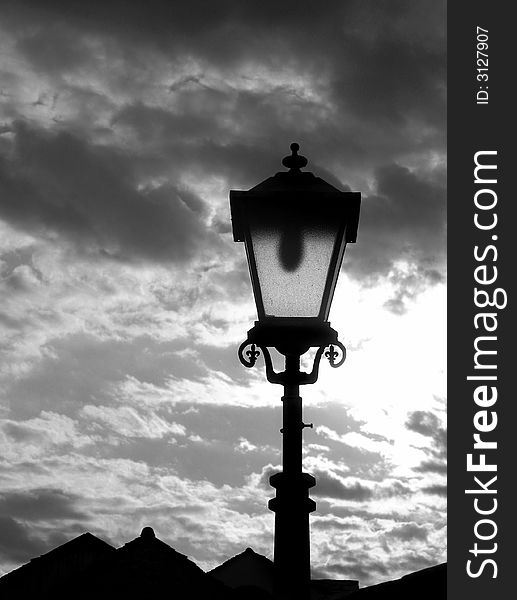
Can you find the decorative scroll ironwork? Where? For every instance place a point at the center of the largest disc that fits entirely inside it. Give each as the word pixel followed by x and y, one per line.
pixel 332 355
pixel 249 358
pixel 251 354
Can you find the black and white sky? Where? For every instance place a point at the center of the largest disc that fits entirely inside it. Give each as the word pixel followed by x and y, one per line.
pixel 123 126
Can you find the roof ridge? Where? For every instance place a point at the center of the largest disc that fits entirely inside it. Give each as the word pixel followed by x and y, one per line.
pixel 248 551
pixel 87 535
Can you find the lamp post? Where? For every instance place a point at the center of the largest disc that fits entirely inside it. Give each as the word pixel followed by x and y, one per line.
pixel 295 228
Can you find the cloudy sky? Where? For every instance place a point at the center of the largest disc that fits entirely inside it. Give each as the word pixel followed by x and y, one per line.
pixel 123 126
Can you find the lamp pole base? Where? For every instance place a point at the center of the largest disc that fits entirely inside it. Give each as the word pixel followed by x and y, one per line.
pixel 292 507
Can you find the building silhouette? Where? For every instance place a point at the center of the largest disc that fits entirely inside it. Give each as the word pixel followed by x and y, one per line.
pixel 426 584
pixel 255 574
pixel 38 578
pixel 146 567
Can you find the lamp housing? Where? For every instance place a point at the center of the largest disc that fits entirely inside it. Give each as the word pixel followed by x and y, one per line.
pixel 295 227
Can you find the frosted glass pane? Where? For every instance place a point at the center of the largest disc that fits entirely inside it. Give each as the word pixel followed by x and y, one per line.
pixel 292 266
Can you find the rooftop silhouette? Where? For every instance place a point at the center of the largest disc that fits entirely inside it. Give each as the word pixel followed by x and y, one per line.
pixel 146 567
pixel 40 576
pixel 426 584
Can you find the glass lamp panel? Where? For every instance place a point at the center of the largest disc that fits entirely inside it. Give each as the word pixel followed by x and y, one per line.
pixel 292 256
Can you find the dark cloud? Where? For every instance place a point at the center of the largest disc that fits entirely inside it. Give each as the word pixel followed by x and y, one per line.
pixel 329 486
pixel 254 507
pixel 372 570
pixel 393 490
pixel 16 542
pixel 332 525
pixel 44 48
pixel 258 425
pixel 21 541
pixel 377 73
pixel 407 532
pixel 21 433
pixel 361 567
pixel 41 505
pixel 437 490
pixel 431 466
pixel 81 369
pixel 404 221
pixel 408 285
pixel 11 259
pixel 180 23
pixel 25 517
pixel 60 184
pixel 427 424
pixel 159 125
pixel 374 85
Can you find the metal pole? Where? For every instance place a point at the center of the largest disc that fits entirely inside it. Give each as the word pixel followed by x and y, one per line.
pixel 292 418
pixel 292 504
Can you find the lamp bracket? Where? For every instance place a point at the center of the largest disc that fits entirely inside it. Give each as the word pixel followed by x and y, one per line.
pixel 249 358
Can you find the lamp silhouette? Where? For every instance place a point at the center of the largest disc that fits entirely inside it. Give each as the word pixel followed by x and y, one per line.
pixel 295 228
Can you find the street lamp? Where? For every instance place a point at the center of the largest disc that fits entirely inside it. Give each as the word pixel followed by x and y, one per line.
pixel 295 228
